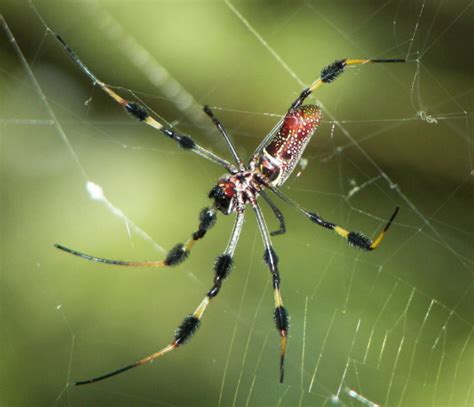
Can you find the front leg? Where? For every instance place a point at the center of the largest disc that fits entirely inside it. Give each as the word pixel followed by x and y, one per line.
pixel 330 73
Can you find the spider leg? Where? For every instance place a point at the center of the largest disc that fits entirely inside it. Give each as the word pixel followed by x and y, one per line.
pixel 191 322
pixel 280 313
pixel 142 114
pixel 179 253
pixel 226 136
pixel 278 214
pixel 330 72
pixel 356 239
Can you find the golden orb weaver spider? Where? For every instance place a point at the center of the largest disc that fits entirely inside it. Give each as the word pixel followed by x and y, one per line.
pixel 270 166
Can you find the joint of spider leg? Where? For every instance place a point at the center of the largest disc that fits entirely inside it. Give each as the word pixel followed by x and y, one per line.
pixel 271 259
pixel 282 229
pixel 207 219
pixel 76 59
pixel 281 219
pixel 359 240
pixel 67 48
pixel 199 234
pixel 282 319
pixel 330 72
pixel 64 44
pixel 214 290
pixel 210 113
pixel 315 218
pixel 222 267
pixel 301 98
pixel 186 330
pixel 185 142
pixel 177 255
pixel 136 110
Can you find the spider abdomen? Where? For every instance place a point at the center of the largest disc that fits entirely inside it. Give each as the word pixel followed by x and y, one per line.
pixel 285 149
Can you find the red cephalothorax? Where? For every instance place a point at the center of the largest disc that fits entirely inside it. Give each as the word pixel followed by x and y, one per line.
pixel 233 192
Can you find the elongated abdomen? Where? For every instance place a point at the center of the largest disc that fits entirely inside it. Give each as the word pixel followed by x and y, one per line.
pixel 285 149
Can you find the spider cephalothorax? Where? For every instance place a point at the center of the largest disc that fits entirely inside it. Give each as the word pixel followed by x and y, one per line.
pixel 233 192
pixel 272 163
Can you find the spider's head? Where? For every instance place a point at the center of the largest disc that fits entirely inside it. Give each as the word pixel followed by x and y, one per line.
pixel 224 195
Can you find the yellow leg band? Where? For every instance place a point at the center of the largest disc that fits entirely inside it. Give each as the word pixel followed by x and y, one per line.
pixel 357 61
pixel 111 93
pixel 201 308
pixel 153 123
pixel 316 84
pixel 377 241
pixel 278 300
pixel 341 231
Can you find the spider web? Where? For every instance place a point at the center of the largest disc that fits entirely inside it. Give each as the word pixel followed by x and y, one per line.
pixel 392 327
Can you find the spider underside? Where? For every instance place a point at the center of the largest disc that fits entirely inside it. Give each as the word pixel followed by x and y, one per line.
pixel 270 166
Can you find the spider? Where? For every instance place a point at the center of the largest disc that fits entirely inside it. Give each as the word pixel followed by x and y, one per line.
pixel 270 166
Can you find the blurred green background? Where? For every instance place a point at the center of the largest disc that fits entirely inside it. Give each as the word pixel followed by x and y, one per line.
pixel 395 325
